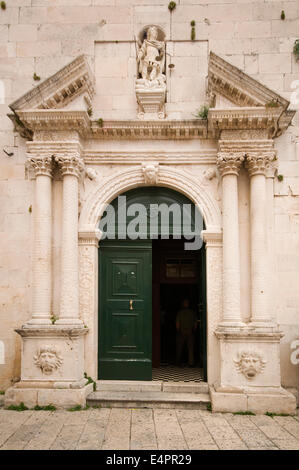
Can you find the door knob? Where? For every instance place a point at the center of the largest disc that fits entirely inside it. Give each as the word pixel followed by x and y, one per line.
pixel 131 304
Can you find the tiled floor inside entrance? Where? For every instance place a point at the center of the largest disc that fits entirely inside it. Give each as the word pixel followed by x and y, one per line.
pixel 171 373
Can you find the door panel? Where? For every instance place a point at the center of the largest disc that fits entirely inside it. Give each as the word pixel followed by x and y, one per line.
pixel 125 317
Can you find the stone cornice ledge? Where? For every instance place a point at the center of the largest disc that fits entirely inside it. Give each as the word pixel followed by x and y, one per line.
pixel 248 333
pixel 255 118
pixel 161 129
pixel 51 331
pixel 46 120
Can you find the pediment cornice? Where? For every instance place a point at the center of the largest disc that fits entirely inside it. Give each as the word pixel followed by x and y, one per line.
pixel 238 87
pixel 60 89
pixel 43 108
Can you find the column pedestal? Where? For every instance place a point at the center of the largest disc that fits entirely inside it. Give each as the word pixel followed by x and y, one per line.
pixel 249 377
pixel 53 359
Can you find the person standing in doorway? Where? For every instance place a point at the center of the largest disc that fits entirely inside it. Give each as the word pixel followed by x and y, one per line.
pixel 186 324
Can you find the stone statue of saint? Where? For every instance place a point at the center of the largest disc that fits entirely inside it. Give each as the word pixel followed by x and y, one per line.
pixel 151 58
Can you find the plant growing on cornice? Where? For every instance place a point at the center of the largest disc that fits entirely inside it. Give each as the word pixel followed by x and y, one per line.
pixel 272 104
pixel 296 49
pixel 3 5
pixel 192 23
pixel 100 122
pixel 280 177
pixel 53 319
pixel 171 6
pixel 202 113
pixel 282 15
pixel 36 77
pixel 89 111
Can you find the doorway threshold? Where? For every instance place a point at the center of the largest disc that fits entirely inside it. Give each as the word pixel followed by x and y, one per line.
pixel 172 373
pixel 151 386
pixel 150 394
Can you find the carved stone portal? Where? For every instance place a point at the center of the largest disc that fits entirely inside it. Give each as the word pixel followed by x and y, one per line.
pixel 151 87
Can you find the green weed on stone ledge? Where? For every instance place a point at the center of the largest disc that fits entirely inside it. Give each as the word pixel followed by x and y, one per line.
pixel 20 407
pixel 90 381
pixel 44 408
pixel 271 104
pixel 202 113
pixel 268 413
pixel 78 408
pixel 3 5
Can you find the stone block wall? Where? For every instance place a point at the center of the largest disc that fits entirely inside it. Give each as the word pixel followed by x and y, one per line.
pixel 41 36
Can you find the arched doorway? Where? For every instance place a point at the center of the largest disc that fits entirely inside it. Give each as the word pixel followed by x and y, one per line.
pixel 143 279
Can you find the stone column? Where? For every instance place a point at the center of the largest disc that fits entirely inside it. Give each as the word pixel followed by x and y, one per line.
pixel 71 167
pixel 271 170
pixel 229 166
pixel 256 163
pixel 42 252
pixel 213 246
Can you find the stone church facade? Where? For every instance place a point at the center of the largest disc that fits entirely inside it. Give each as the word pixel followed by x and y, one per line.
pixel 115 110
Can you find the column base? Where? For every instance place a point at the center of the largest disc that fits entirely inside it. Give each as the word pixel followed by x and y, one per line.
pixel 75 322
pixel 231 325
pixel 263 326
pixel 259 400
pixel 33 395
pixel 37 322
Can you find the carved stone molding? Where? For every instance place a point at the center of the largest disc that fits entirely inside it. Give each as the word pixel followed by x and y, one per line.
pixel 70 164
pixel 55 120
pixel 61 88
pixel 237 86
pixel 198 157
pixel 151 173
pixel 258 163
pixel 40 165
pixel 132 178
pixel 91 173
pixel 48 359
pixel 250 363
pixel 212 238
pixel 256 118
pixel 229 163
pixel 151 130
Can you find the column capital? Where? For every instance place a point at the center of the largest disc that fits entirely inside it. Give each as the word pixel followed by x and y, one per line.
pixel 41 165
pixel 259 163
pixel 229 163
pixel 70 164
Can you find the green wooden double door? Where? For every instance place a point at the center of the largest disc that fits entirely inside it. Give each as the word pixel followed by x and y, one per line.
pixel 125 321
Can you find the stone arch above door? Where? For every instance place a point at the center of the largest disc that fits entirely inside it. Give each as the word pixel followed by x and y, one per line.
pixel 192 188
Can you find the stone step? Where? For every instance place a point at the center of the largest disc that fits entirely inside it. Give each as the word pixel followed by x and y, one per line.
pixel 151 386
pixel 148 399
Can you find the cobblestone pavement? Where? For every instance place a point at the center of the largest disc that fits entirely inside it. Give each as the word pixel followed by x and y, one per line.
pixel 116 429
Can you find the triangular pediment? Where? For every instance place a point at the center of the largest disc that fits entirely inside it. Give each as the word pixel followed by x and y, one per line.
pixel 58 91
pixel 238 88
pixel 239 101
